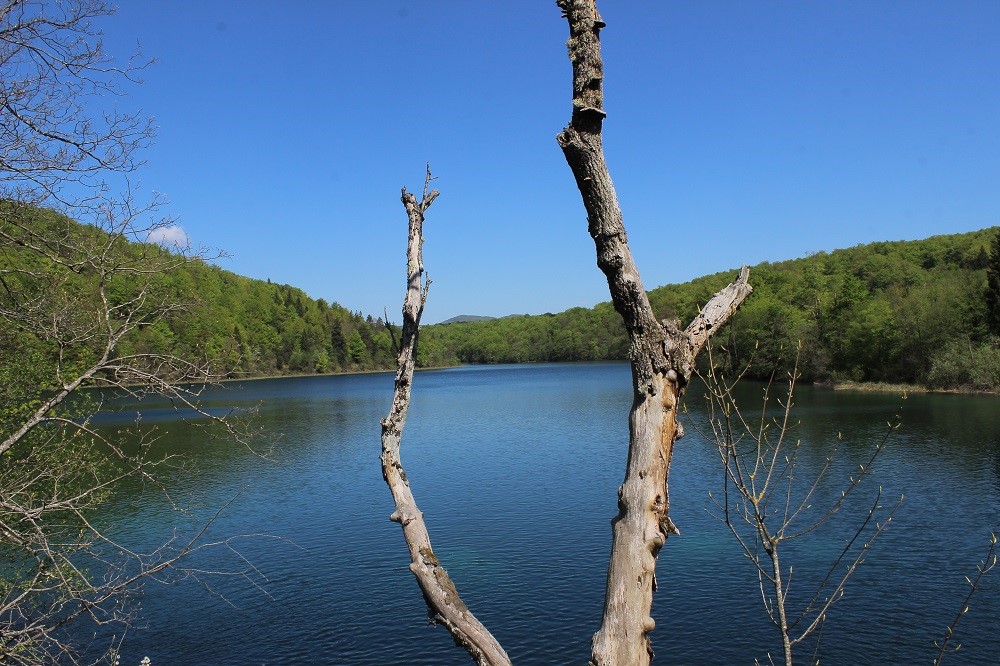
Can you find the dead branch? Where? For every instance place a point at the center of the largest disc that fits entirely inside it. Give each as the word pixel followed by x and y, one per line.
pixel 662 359
pixel 443 602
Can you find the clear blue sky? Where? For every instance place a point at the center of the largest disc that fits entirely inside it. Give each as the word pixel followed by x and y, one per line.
pixel 737 132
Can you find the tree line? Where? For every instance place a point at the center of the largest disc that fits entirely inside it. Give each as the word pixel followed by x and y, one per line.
pixel 242 326
pixel 906 311
pixel 919 312
pixel 256 328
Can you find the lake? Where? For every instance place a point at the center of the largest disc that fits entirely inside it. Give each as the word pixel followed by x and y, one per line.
pixel 516 469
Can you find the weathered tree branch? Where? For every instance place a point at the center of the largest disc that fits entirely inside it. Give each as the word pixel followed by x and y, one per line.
pixel 662 360
pixel 443 602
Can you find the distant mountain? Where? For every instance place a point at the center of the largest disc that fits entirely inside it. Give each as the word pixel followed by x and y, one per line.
pixel 461 319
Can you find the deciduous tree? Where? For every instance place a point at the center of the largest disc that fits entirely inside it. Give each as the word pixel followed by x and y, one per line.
pixel 71 295
pixel 993 287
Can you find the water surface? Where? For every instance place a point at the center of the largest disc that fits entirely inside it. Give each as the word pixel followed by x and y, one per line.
pixel 517 469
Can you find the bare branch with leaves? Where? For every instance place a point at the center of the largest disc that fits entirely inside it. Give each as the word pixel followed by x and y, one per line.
pixel 983 569
pixel 764 508
pixel 79 283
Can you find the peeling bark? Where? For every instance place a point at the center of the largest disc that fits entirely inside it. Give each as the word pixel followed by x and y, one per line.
pixel 443 602
pixel 662 358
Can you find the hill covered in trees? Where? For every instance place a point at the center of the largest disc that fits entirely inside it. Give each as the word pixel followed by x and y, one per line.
pixel 239 326
pixel 915 311
pixel 255 327
pixel 907 311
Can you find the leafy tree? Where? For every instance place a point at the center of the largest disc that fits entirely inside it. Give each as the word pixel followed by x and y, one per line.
pixel 356 349
pixel 993 287
pixel 81 305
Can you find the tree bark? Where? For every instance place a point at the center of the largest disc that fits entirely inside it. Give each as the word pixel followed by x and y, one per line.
pixel 443 602
pixel 662 358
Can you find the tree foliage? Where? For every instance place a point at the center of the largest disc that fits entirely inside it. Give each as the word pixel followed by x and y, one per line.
pixel 254 328
pixel 993 287
pixel 879 312
pixel 237 325
pixel 74 300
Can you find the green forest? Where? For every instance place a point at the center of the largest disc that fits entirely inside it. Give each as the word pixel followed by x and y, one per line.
pixel 922 312
pixel 254 327
pixel 236 325
pixel 914 312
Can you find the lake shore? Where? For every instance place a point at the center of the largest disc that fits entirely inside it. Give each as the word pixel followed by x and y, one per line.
pixel 887 387
pixel 847 386
pixel 874 387
pixel 339 373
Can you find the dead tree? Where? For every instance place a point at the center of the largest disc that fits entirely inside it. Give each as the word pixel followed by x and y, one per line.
pixel 443 603
pixel 662 359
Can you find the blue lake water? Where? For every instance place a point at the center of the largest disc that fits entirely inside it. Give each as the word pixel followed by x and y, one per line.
pixel 516 469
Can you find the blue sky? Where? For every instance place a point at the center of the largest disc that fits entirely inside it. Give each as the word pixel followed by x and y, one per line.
pixel 737 132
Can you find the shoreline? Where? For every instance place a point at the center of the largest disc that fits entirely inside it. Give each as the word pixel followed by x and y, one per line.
pixel 341 373
pixel 843 386
pixel 888 387
pixel 873 387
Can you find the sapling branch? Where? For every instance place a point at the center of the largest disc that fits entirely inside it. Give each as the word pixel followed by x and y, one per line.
pixel 983 569
pixel 761 504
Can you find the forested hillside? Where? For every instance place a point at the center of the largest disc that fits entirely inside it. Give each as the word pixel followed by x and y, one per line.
pixel 253 327
pixel 240 326
pixel 895 311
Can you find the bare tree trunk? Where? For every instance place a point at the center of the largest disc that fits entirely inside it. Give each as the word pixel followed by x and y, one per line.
pixel 443 603
pixel 662 359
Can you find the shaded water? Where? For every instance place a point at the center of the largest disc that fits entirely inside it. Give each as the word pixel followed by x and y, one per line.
pixel 517 469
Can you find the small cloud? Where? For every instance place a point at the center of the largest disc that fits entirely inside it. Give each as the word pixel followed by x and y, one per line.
pixel 172 236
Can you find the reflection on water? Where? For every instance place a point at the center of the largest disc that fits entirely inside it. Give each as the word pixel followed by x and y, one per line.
pixel 516 469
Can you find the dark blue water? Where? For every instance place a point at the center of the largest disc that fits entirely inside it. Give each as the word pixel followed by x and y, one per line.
pixel 516 469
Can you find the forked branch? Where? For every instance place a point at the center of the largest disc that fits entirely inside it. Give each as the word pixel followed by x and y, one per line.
pixel 443 603
pixel 761 505
pixel 662 359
